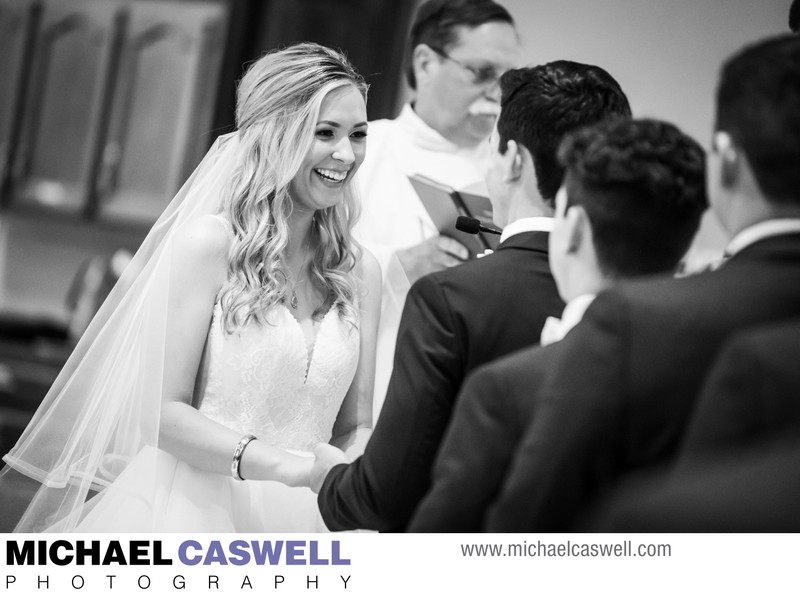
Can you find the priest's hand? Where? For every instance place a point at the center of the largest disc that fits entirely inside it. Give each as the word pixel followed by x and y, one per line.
pixel 435 253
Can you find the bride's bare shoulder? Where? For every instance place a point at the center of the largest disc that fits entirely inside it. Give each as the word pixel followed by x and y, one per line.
pixel 368 270
pixel 208 236
pixel 367 267
pixel 202 246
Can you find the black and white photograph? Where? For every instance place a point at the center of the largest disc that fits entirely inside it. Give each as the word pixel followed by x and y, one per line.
pixel 281 279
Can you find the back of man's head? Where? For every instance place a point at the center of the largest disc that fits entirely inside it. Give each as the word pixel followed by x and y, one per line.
pixel 758 105
pixel 794 16
pixel 539 105
pixel 642 185
pixel 437 21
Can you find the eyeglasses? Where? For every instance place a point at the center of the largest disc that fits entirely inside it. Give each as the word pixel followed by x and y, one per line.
pixel 480 76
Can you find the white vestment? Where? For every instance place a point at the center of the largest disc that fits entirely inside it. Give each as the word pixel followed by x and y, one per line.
pixel 393 216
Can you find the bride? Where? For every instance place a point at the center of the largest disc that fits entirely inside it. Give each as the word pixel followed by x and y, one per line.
pixel 241 335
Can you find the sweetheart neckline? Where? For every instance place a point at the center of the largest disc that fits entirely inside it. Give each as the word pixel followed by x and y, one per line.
pixel 308 350
pixel 303 347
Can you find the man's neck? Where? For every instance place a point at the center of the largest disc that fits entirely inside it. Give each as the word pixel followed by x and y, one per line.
pixel 455 134
pixel 522 207
pixel 750 219
pixel 587 282
pixel 740 207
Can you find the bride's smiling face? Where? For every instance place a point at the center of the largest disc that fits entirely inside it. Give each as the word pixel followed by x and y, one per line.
pixel 340 143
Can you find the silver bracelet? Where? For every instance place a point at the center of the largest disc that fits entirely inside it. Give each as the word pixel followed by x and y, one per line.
pixel 237 456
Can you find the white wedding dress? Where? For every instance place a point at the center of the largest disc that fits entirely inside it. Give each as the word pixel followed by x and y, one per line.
pixel 263 380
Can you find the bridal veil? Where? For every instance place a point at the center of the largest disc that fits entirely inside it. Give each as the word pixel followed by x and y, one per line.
pixel 104 406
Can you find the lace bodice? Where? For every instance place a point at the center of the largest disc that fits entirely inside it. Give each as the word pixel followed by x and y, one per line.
pixel 266 381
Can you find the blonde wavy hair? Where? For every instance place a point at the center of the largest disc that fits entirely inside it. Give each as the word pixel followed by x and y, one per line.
pixel 278 104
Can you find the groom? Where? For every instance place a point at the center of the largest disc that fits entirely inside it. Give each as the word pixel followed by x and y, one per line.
pixel 630 205
pixel 457 319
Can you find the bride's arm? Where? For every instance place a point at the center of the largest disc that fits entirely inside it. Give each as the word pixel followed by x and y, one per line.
pixel 353 425
pixel 199 268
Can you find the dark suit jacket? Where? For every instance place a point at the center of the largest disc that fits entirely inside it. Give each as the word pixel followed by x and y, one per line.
pixel 755 489
pixel 620 396
pixel 751 394
pixel 453 321
pixel 493 410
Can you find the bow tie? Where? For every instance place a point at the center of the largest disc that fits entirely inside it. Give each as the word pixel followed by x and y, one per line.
pixel 552 331
pixel 709 266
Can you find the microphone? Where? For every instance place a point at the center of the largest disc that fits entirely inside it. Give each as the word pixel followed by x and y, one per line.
pixel 474 226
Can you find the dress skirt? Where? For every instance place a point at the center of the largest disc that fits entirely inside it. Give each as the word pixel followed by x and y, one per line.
pixel 157 492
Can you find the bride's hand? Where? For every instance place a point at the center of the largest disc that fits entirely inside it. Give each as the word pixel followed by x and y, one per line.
pixel 326 457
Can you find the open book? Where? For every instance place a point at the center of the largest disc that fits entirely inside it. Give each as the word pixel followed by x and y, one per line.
pixel 445 204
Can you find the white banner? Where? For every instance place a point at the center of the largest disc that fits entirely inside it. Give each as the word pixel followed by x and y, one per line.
pixel 378 563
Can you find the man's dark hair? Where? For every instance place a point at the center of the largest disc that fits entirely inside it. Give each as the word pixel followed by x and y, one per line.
pixel 642 184
pixel 437 21
pixel 539 105
pixel 758 104
pixel 794 17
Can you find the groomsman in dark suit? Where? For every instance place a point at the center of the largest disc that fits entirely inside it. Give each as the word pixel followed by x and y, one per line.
pixel 752 393
pixel 739 468
pixel 619 397
pixel 459 318
pixel 631 202
pixel 755 489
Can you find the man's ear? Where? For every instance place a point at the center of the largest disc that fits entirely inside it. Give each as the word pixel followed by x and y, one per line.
pixel 514 160
pixel 577 229
pixel 730 159
pixel 422 58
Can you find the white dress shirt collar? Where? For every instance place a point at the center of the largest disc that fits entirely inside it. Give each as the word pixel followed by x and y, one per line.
pixel 759 231
pixel 527 224
pixel 555 329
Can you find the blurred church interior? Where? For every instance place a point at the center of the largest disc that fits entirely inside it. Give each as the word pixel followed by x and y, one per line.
pixel 106 106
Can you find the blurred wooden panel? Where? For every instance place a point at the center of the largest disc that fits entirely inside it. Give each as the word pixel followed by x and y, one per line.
pixel 119 96
pixel 19 21
pixel 160 117
pixel 53 158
